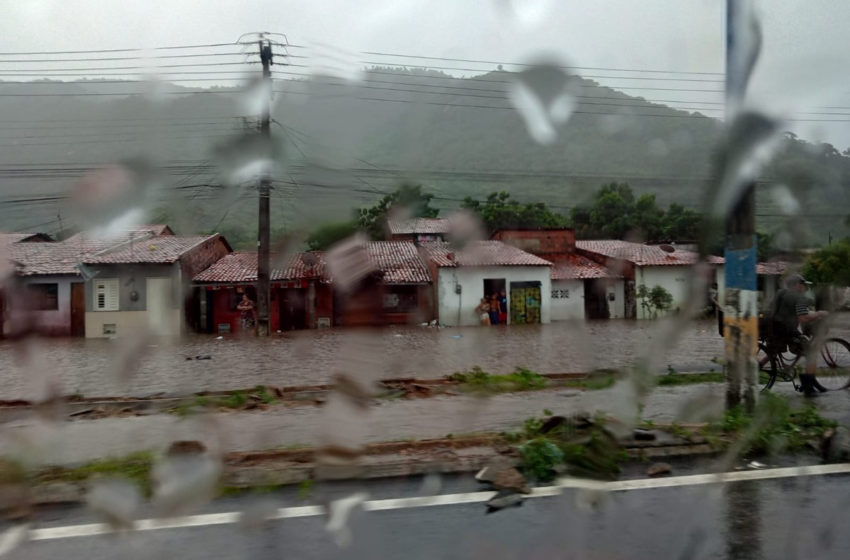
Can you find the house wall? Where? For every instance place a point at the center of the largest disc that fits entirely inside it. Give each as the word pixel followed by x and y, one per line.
pixel 48 323
pixel 366 309
pixel 568 308
pixel 674 279
pixel 539 241
pixel 131 317
pixel 191 264
pixel 324 303
pixel 459 309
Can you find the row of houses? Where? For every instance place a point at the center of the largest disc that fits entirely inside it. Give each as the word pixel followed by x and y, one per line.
pixel 149 278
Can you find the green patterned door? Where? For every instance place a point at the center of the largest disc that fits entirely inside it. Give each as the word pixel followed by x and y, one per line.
pixel 517 306
pixel 525 303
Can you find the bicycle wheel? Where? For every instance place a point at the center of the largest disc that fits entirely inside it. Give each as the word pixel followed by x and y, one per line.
pixel 767 372
pixel 834 364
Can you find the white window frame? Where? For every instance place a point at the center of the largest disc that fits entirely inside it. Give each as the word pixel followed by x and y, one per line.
pixel 108 288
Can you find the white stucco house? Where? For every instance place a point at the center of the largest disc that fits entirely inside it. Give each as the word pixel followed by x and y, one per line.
pixel 652 265
pixel 583 289
pixel 463 277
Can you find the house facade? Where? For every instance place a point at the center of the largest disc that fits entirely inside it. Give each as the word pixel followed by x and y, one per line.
pixel 463 277
pixel 300 292
pixel 143 285
pixel 403 289
pixel 651 265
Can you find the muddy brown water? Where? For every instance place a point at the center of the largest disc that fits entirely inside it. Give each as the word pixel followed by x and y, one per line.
pixel 97 367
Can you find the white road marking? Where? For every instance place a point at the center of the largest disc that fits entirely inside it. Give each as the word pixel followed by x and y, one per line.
pixel 449 499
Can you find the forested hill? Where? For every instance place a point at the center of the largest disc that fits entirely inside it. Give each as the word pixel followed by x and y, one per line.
pixel 346 144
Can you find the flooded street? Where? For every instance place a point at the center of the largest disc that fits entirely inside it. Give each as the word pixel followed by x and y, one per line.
pixel 98 367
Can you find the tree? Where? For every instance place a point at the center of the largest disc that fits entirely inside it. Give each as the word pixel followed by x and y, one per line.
pixel 500 212
pixel 325 236
pixel 830 265
pixel 408 197
pixel 765 246
pixel 681 223
pixel 654 300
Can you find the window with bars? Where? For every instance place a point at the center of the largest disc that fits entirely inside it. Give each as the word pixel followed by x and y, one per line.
pixel 106 294
pixel 44 297
pixel 560 294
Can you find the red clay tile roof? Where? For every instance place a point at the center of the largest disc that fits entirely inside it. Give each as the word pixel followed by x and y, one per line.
pixel 641 255
pixel 161 249
pixel 418 225
pixel 775 268
pixel 9 238
pixel 45 258
pixel 571 266
pixel 241 268
pixel 481 253
pixel 399 261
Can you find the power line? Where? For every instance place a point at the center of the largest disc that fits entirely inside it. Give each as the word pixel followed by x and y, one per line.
pixel 94 70
pixel 209 45
pixel 101 59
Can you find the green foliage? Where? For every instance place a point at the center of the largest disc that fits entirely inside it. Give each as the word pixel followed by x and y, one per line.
pixel 327 235
pixel 829 265
pixel 304 489
pixel 408 198
pixel 237 399
pixel 521 379
pixel 136 467
pixel 615 213
pixel 539 458
pixel 266 396
pixel 500 212
pixel 655 300
pixel 774 426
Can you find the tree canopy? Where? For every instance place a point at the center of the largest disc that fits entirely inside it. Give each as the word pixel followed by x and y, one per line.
pixel 829 265
pixel 408 198
pixel 615 213
pixel 499 211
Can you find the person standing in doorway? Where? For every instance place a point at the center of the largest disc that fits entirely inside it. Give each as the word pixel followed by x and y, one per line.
pixel 494 309
pixel 248 315
pixel 483 311
pixel 503 307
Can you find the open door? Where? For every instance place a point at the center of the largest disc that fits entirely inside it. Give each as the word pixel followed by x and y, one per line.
pixel 78 309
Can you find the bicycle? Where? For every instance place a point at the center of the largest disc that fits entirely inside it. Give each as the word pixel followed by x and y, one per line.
pixel 833 370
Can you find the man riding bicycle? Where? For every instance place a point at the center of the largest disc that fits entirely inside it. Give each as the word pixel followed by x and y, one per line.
pixel 790 311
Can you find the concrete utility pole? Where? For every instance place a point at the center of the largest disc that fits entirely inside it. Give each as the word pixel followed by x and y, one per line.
pixel 741 298
pixel 264 234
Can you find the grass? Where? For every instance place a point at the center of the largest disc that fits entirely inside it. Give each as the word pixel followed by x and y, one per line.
pixel 135 467
pixel 521 379
pixel 234 400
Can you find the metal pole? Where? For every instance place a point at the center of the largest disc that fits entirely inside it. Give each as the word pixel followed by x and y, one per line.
pixel 741 296
pixel 264 234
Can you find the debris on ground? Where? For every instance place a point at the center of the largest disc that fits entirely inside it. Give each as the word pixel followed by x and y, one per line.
pixel 503 499
pixel 659 469
pixel 511 479
pixel 641 434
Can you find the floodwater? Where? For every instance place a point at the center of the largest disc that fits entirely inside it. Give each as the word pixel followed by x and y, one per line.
pixel 100 367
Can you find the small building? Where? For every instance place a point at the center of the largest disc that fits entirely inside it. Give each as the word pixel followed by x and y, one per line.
pixel 583 289
pixel 300 293
pixel 769 281
pixel 463 277
pixel 143 283
pixel 419 230
pixel 44 292
pixel 404 287
pixel 649 265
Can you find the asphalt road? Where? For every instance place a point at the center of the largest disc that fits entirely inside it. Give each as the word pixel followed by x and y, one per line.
pixel 688 518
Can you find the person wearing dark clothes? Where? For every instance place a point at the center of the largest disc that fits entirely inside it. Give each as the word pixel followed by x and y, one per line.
pixel 503 307
pixel 494 310
pixel 790 311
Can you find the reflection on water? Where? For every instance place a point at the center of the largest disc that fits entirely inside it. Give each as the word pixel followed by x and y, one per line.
pixel 91 366
pixel 743 521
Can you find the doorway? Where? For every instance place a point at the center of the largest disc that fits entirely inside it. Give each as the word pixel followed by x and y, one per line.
pixel 525 303
pixel 596 299
pixel 158 306
pixel 293 309
pixel 78 309
pixel 495 286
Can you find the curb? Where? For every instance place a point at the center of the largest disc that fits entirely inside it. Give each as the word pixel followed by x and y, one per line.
pixel 384 460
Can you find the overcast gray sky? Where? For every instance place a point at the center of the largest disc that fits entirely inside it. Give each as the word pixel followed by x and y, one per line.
pixel 803 66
